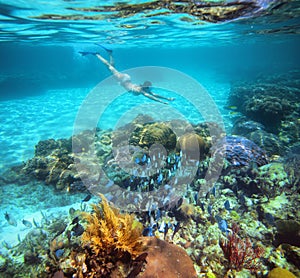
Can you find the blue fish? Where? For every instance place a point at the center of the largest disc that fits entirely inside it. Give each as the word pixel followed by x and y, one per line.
pixel 148 231
pixel 209 209
pixel 213 191
pixel 227 205
pixel 222 223
pixel 59 253
pixel 144 158
pixel 161 228
pixel 157 214
pixel 176 229
pixel 137 160
pixel 160 178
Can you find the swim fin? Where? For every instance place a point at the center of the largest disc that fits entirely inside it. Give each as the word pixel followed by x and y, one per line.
pixel 84 53
pixel 105 48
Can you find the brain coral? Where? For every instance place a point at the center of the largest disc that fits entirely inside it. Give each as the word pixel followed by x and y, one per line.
pixel 239 151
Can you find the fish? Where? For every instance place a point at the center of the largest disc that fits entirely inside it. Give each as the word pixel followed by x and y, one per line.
pixel 148 231
pixel 87 198
pixel 137 160
pixel 176 229
pixel 10 219
pixel 166 228
pixel 77 230
pixel 213 191
pixel 161 228
pixel 209 209
pixel 59 253
pixel 157 214
pixel 144 158
pixel 231 107
pixel 35 223
pixel 72 211
pixel 27 223
pixel 222 223
pixel 75 220
pixel 159 178
pixel 227 205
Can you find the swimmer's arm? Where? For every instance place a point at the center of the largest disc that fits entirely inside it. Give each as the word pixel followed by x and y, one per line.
pixel 162 97
pixel 152 97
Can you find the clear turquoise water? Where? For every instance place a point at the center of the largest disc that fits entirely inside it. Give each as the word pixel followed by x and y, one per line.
pixel 44 80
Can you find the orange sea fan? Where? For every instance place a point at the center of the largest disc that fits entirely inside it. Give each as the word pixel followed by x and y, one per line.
pixel 109 231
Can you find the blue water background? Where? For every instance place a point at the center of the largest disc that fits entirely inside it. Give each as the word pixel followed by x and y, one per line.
pixel 46 84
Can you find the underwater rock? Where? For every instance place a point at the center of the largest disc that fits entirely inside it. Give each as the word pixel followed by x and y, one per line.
pixel 288 231
pixel 53 163
pixel 268 141
pixel 239 151
pixel 153 133
pixel 292 254
pixel 289 130
pixel 292 165
pixel 166 260
pixel 272 179
pixel 268 110
pixel 3 263
pixel 46 147
pixel 243 126
pixel 272 100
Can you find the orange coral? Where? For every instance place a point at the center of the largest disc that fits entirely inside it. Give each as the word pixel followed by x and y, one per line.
pixel 110 237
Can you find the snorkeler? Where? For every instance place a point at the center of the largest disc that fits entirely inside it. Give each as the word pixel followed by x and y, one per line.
pixel 125 79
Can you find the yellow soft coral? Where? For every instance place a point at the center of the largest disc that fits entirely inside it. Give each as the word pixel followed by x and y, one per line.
pixel 110 232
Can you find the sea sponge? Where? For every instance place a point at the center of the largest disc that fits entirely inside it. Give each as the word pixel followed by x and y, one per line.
pixel 193 145
pixel 279 272
pixel 166 260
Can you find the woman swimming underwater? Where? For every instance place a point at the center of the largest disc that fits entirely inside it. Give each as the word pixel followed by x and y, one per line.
pixel 125 79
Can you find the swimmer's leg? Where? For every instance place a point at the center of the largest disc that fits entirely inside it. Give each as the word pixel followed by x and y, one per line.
pixel 109 51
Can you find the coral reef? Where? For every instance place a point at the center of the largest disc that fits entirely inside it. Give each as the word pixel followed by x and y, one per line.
pixel 272 101
pixel 269 110
pixel 258 188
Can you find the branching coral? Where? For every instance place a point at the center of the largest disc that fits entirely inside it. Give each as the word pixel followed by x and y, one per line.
pixel 240 253
pixel 110 238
